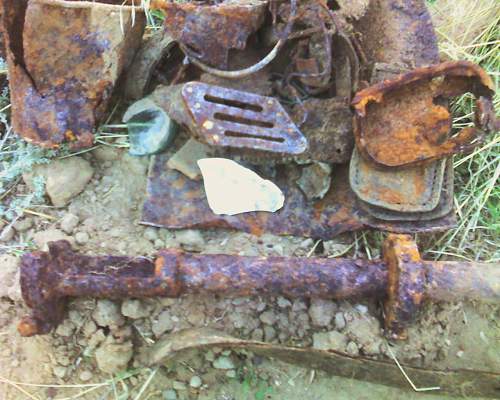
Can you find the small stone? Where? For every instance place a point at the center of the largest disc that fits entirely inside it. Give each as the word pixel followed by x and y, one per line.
pixel 231 374
pixel 352 349
pixel 7 234
pixel 76 317
pixel 89 328
pixel 330 341
pixel 299 305
pixel 233 189
pixel 60 371
pixel 268 317
pixel 322 311
pixel 134 309
pixel 86 376
pixel 269 333
pixel 223 362
pixel 162 324
pixel 190 239
pixel 178 385
pixel 460 354
pixel 69 222
pixel 195 382
pixel 315 180
pixel 64 178
pixel 82 238
pixel 107 313
pixel 210 356
pixel 150 129
pixel 9 277
pixel 362 309
pixel 238 319
pixel 258 335
pixel 151 234
pixel 185 160
pixel 106 153
pixel 339 321
pixel 284 303
pixel 169 394
pixel 42 238
pixel 23 225
pixel 112 357
pixel 65 329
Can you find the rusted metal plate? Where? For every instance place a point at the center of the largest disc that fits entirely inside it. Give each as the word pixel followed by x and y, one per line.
pixel 64 59
pixel 413 190
pixel 231 118
pixel 173 201
pixel 405 120
pixel 444 207
pixel 211 30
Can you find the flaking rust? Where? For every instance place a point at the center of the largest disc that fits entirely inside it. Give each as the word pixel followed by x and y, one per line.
pixel 210 30
pixel 406 120
pixel 401 278
pixel 64 58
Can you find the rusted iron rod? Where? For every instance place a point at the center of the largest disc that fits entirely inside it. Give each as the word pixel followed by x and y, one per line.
pixel 401 279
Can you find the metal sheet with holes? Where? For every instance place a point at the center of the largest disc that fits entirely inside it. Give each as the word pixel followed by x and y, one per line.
pixel 231 118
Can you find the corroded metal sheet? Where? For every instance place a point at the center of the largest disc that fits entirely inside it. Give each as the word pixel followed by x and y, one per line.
pixel 64 59
pixel 405 120
pixel 211 30
pixel 173 201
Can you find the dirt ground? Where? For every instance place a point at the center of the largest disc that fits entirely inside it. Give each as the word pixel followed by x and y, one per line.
pixel 100 336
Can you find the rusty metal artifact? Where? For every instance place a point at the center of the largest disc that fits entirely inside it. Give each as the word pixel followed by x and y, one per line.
pixel 458 382
pixel 401 278
pixel 209 31
pixel 406 120
pixel 64 58
pixel 230 118
pixel 173 201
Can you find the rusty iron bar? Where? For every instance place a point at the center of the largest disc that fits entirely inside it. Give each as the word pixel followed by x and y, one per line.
pixel 401 279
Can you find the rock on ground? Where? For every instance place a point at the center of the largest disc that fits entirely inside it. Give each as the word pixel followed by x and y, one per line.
pixel 9 277
pixel 42 238
pixel 64 178
pixel 107 313
pixel 112 357
pixel 322 312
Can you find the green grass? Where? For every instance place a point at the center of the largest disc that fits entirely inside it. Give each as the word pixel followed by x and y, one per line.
pixel 477 195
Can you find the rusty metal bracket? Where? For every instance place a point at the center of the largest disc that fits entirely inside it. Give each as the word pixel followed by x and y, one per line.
pixel 405 120
pixel 401 278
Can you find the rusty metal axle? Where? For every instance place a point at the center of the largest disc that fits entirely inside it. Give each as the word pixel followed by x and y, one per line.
pixel 401 279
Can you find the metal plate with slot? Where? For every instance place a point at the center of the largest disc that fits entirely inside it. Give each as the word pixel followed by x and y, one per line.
pixel 231 118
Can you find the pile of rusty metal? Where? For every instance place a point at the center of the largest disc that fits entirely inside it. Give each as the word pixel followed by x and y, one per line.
pixel 284 86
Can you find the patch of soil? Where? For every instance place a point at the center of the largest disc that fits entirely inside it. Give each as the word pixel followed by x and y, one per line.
pixel 108 211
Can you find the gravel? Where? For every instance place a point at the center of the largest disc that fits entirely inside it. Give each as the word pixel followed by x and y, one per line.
pixel 107 313
pixel 223 362
pixel 322 312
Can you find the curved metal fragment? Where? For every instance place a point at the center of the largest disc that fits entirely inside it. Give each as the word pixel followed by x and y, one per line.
pixel 211 30
pixel 64 59
pixel 459 382
pixel 405 120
